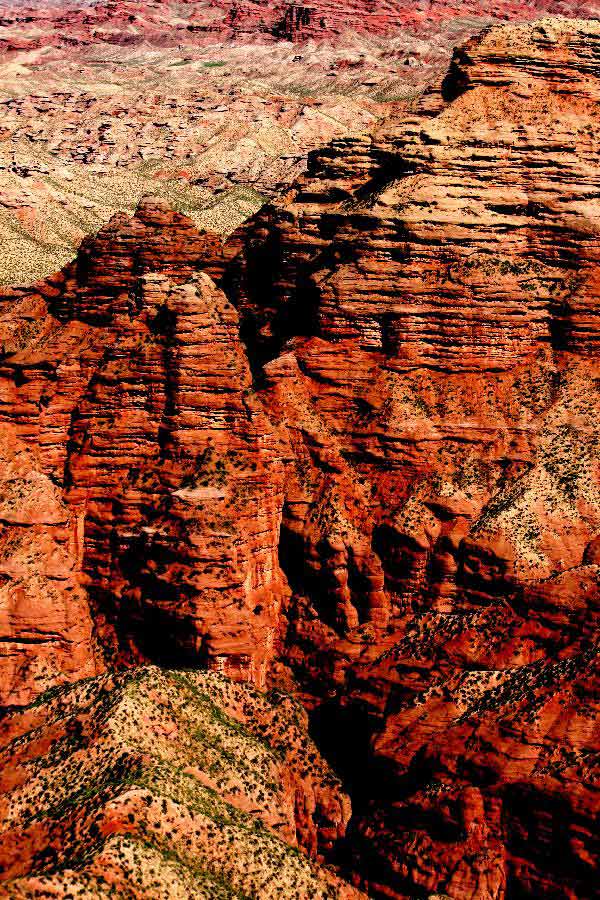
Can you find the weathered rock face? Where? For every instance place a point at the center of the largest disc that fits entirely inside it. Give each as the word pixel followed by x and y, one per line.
pixel 501 769
pixel 135 394
pixel 428 327
pixel 192 539
pixel 164 785
pixel 451 338
pixel 399 515
pixel 506 171
pixel 45 623
pixel 109 265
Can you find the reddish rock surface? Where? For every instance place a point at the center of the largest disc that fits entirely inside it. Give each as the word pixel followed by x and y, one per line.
pixel 385 494
pixel 45 623
pixel 426 311
pixel 126 376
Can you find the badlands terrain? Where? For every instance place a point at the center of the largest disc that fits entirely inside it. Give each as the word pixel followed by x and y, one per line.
pixel 213 106
pixel 300 470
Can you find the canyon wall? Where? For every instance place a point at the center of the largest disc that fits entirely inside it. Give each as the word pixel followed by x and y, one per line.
pixel 364 466
pixel 424 310
pixel 125 377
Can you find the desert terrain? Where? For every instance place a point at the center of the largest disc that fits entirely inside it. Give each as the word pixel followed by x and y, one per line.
pixel 299 441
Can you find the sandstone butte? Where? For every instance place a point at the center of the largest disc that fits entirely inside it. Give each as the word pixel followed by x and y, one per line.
pixel 352 453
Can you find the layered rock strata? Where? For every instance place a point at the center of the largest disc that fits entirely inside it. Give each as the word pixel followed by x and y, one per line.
pixel 46 630
pixel 397 511
pixel 126 378
pixel 427 328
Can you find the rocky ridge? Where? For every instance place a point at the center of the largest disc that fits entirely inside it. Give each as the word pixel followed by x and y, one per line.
pixel 174 784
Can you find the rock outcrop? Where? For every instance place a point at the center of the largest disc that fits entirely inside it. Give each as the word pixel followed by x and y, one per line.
pixel 148 784
pixel 385 494
pixel 126 378
pixel 427 325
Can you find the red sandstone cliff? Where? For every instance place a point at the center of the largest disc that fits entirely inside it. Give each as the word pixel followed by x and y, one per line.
pixel 426 311
pixel 135 396
pixel 398 515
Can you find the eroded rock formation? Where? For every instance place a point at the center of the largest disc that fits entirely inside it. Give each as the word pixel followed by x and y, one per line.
pixel 427 324
pixel 385 494
pixel 45 623
pixel 126 375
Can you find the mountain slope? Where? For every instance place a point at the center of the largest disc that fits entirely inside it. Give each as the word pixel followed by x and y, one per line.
pixel 153 784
